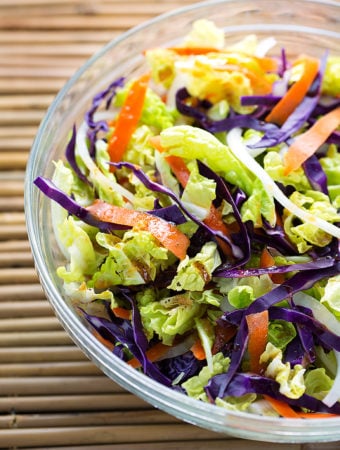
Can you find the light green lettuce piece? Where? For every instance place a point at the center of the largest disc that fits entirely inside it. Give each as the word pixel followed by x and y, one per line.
pixel 194 273
pixel 274 166
pixel 206 334
pixel 291 380
pixel 304 235
pixel 63 178
pixel 331 78
pixel 147 295
pixel 198 194
pixel 331 166
pixel 242 291
pixel 326 360
pixel 331 296
pixel 204 33
pixel 117 269
pixel 318 383
pixel 167 322
pixel 236 403
pixel 208 296
pixel 139 150
pixel 192 143
pixel 194 386
pixel 83 260
pixel 241 296
pixel 131 261
pixel 155 113
pixel 81 293
pixel 162 65
pixel 280 333
pixel 98 171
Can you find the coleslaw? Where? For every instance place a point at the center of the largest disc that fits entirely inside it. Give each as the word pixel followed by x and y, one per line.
pixel 197 208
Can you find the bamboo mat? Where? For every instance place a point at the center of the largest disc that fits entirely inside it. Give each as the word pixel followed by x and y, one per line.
pixel 51 396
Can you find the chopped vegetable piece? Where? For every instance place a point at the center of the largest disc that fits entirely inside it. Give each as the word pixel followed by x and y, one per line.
pixel 167 233
pixel 307 143
pixel 128 118
pixel 295 94
pixel 258 337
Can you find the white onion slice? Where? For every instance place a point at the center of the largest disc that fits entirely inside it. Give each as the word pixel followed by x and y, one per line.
pixel 240 150
pixel 324 316
pixel 95 172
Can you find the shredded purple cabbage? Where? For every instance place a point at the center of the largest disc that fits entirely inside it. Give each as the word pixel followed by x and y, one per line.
pixel 94 127
pixel 320 263
pixel 232 121
pixel 243 384
pixel 315 174
pixel 156 187
pixel 71 157
pixel 64 200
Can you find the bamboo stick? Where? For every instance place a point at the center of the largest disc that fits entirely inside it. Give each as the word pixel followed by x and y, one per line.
pixel 203 444
pixel 98 9
pixel 12 217
pixel 16 259
pixel 34 338
pixel 62 385
pixel 18 275
pixel 10 160
pixel 64 368
pixel 56 22
pixel 24 86
pixel 86 418
pixel 10 188
pixel 79 403
pixel 25 117
pixel 104 434
pixel 37 72
pixel 33 309
pixel 21 291
pixel 50 50
pixel 15 144
pixel 16 204
pixel 14 246
pixel 28 101
pixel 52 37
pixel 15 323
pixel 37 354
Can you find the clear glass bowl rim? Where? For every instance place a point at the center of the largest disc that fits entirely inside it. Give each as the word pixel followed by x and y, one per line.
pixel 201 414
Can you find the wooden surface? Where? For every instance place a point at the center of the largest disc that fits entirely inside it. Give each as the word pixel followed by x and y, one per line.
pixel 51 396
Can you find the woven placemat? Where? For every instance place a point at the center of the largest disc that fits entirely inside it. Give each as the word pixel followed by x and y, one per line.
pixel 51 396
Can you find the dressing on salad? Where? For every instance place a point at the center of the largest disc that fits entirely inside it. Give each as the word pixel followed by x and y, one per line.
pixel 198 211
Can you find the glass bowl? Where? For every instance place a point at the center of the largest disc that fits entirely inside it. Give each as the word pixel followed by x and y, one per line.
pixel 298 25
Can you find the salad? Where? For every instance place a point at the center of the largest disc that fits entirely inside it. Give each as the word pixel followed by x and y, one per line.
pixel 197 208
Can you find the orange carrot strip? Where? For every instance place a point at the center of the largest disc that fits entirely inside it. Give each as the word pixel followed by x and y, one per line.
pixel 121 313
pixel 266 260
pixel 155 141
pixel 198 350
pixel 258 337
pixel 214 219
pixel 307 143
pixel 288 412
pixel 104 341
pixel 166 233
pixel 282 408
pixel 153 354
pixel 295 93
pixel 179 168
pixel 257 80
pixel 187 51
pixel 316 415
pixel 128 118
